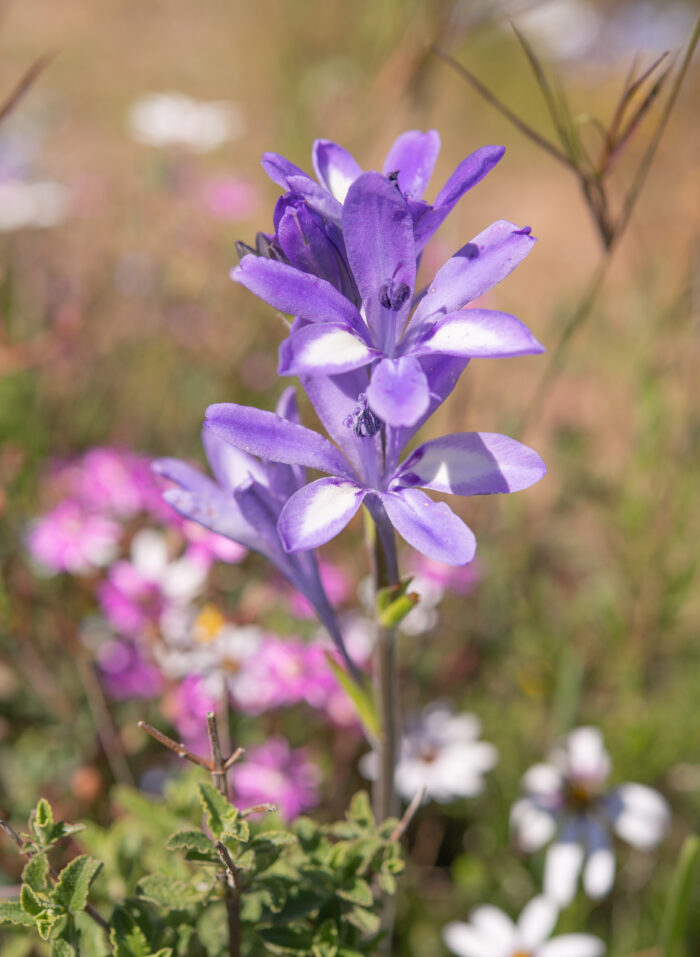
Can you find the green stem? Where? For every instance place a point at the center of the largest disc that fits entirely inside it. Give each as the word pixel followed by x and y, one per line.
pixel 386 575
pixel 232 896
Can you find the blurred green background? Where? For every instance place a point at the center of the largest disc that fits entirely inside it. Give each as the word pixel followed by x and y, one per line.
pixel 120 324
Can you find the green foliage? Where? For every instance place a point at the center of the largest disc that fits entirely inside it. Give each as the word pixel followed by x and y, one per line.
pixel 312 889
pixel 675 917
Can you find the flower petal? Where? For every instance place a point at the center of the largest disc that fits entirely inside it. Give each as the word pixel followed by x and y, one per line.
pixel 217 512
pixel 465 941
pixel 476 268
pixel 472 463
pixel 398 391
pixel 231 466
pixel 573 945
pixel 599 872
pixel 378 233
pixel 477 333
pixel 318 512
pixel 469 172
pixel 413 156
pixel 325 349
pixel 334 167
pixel 430 527
pixel 270 437
pixel 537 921
pixel 534 827
pixel 495 925
pixel 279 169
pixel 295 292
pixel 543 779
pixel 643 816
pixel 334 398
pixel 561 870
pixel 587 756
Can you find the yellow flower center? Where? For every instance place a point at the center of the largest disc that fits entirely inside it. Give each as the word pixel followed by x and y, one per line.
pixel 208 624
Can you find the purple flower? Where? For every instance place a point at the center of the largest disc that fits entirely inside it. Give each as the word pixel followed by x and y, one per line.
pixel 408 165
pixel 243 502
pixel 125 673
pixel 465 463
pixel 71 539
pixel 274 773
pixel 333 334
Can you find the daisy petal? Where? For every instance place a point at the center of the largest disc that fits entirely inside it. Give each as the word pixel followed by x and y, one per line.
pixel 573 945
pixel 537 921
pixel 599 872
pixel 561 870
pixel 643 816
pixel 464 941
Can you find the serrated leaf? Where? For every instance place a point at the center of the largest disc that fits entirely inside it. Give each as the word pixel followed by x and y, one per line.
pixel 357 891
pixel 61 829
pixel 274 893
pixel 43 815
pixel 31 904
pixel 168 892
pixel 12 912
pixel 190 841
pixel 360 696
pixel 163 952
pixel 246 860
pixel 278 838
pixel 387 882
pixel 61 948
pixel 127 937
pixel 360 810
pixel 74 882
pixel 36 873
pixel 365 920
pixel 221 815
pixel 283 940
pixel 45 925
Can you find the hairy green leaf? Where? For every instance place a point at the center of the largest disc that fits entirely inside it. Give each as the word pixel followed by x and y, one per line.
pixel 36 873
pixel 221 815
pixel 357 891
pixel 74 882
pixel 12 912
pixel 168 892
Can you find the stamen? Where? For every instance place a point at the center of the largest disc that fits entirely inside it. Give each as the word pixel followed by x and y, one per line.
pixel 363 422
pixel 393 294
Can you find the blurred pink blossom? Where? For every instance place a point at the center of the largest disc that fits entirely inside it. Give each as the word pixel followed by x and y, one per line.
pixel 187 709
pixel 229 198
pixel 70 539
pixel 274 773
pixel 125 674
pixel 336 584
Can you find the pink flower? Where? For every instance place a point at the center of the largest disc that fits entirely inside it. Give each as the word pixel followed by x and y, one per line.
pixel 206 546
pixel 140 592
pixel 274 773
pixel 187 710
pixel 335 583
pixel 229 198
pixel 294 671
pixel 460 579
pixel 125 674
pixel 70 539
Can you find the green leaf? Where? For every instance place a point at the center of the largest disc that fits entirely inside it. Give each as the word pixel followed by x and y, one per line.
pixel 30 903
pixel 283 940
pixel 221 815
pixel 61 829
pixel 168 892
pixel 41 822
pixel 394 603
pixel 365 920
pixel 36 873
pixel 74 882
pixel 360 810
pixel 191 841
pixel 357 891
pixel 675 914
pixel 277 838
pixel 163 952
pixel 274 893
pixel 12 912
pixel 61 948
pixel 360 695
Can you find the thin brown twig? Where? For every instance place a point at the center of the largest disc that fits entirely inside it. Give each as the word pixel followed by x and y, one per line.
pixel 408 815
pixel 232 758
pixel 259 809
pixel 178 748
pixel 25 83
pixel 232 896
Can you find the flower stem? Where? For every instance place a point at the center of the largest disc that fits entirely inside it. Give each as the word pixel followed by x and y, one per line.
pixel 386 575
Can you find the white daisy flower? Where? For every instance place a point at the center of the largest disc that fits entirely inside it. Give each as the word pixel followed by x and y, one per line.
pixel 566 802
pixel 440 752
pixel 491 933
pixel 175 120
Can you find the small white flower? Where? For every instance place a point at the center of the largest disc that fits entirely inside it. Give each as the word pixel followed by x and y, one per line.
pixel 39 204
pixel 566 801
pixel 175 120
pixel 440 752
pixel 491 933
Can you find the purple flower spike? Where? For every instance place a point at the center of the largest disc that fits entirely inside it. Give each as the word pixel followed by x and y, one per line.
pixel 467 463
